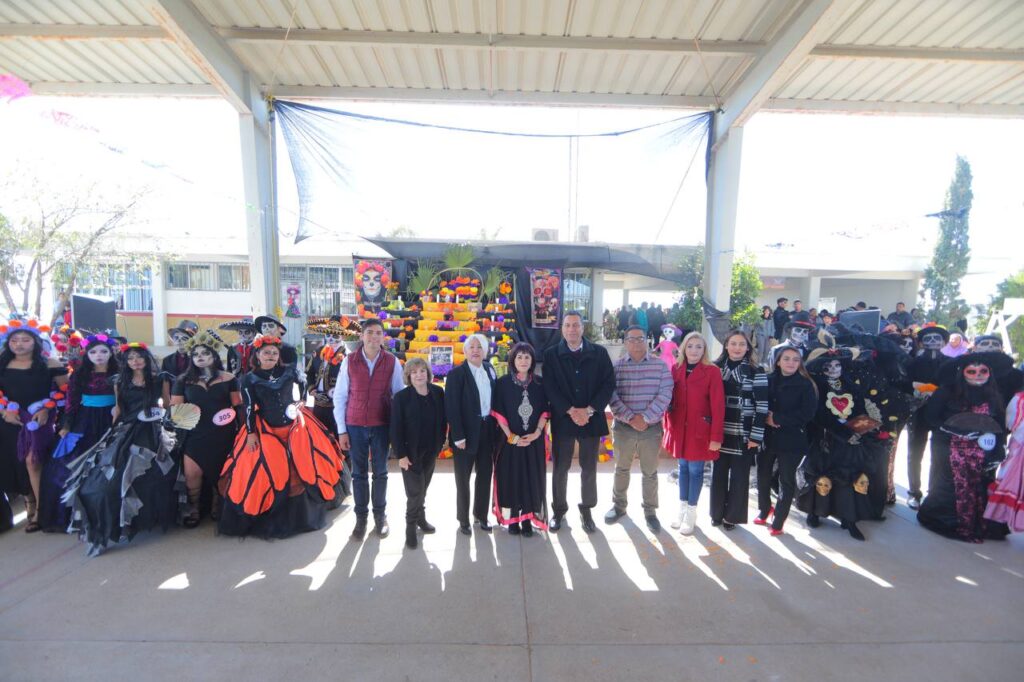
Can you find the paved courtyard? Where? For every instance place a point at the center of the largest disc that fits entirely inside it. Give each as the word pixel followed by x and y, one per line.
pixel 620 604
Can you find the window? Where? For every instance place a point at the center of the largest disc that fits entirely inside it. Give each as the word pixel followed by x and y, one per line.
pixel 577 292
pixel 233 277
pixel 129 285
pixel 324 290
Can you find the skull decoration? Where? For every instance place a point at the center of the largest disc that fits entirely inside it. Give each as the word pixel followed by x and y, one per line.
pixel 823 486
pixel 977 374
pixel 833 369
pixel 907 344
pixel 798 336
pixel 247 335
pixel 270 329
pixel 179 338
pixel 988 344
pixel 860 486
pixel 932 341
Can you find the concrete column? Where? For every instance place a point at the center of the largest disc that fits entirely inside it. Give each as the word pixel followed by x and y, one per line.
pixel 720 237
pixel 158 285
pixel 625 296
pixel 257 146
pixel 911 289
pixel 810 292
pixel 596 296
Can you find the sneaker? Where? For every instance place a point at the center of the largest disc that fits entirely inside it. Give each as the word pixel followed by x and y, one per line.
pixel 381 524
pixel 689 520
pixel 914 502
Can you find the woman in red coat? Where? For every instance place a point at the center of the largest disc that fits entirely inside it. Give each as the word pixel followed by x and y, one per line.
pixel 694 424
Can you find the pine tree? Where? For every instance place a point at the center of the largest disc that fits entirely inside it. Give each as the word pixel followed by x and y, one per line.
pixel 940 290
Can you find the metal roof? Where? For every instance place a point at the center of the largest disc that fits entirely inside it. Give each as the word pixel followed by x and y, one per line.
pixel 889 56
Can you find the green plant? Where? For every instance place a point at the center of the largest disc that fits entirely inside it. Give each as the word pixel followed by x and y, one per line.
pixel 458 257
pixel 423 278
pixel 1012 287
pixel 940 289
pixel 492 280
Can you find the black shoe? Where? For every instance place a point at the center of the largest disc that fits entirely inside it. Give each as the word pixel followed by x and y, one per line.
pixel 855 532
pixel 527 529
pixel 728 526
pixel 359 532
pixel 652 523
pixel 381 524
pixel 424 526
pixel 410 538
pixel 465 529
pixel 588 520
pixel 556 523
pixel 716 522
pixel 513 529
pixel 484 526
pixel 613 515
pixel 813 521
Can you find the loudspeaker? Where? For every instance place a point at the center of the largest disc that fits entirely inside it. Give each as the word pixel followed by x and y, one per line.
pixel 94 313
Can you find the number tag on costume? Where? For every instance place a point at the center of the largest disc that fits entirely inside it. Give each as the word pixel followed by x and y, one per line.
pixel 291 411
pixel 224 417
pixel 987 441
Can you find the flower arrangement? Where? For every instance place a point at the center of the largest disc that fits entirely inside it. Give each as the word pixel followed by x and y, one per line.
pixel 125 347
pixel 262 340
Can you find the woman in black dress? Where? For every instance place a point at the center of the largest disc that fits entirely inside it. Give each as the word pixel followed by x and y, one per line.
pixel 87 417
pixel 284 470
pixel 28 399
pixel 215 392
pixel 129 481
pixel 521 408
pixel 418 431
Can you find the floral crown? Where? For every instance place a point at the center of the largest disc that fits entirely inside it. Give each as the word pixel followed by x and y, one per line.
pixel 385 278
pixel 136 345
pixel 100 338
pixel 207 338
pixel 32 326
pixel 263 340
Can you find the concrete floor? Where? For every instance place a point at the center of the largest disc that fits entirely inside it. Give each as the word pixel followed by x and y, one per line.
pixel 620 604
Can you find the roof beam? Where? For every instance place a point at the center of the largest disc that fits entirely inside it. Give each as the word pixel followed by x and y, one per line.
pixel 211 54
pixel 125 89
pixel 945 54
pixel 722 48
pixel 81 32
pixel 895 108
pixel 810 24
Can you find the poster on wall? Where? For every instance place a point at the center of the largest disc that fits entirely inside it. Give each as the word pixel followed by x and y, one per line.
pixel 292 292
pixel 546 296
pixel 371 278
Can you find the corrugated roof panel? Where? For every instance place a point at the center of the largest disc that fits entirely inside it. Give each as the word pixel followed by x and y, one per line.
pixel 20 59
pixel 687 77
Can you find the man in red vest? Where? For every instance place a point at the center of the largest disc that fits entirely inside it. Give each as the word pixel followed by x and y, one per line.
pixel 368 378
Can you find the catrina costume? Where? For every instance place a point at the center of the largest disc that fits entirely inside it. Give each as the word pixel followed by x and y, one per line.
pixel 1006 496
pixel 286 484
pixel 87 417
pixel 239 354
pixel 26 392
pixel 131 480
pixel 289 356
pixel 175 364
pixel 923 371
pixel 321 380
pixel 967 420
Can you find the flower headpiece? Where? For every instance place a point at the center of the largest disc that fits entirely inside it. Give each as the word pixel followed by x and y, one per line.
pixel 101 338
pixel 32 326
pixel 363 266
pixel 136 345
pixel 263 340
pixel 207 338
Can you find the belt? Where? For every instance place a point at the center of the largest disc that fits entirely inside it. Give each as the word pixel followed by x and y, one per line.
pixel 102 400
pixel 733 401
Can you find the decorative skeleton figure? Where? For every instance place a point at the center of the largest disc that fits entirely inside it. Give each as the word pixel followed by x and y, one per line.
pixel 932 342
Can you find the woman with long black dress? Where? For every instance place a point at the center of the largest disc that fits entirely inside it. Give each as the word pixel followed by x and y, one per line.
pixel 746 408
pixel 282 474
pixel 87 417
pixel 215 392
pixel 29 392
pixel 418 431
pixel 521 409
pixel 130 480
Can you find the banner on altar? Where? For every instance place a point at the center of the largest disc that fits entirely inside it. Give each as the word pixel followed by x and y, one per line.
pixel 545 297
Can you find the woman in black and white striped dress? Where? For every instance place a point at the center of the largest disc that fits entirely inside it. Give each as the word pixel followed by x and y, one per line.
pixel 746 408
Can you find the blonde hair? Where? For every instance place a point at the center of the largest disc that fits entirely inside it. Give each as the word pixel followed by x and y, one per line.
pixel 413 364
pixel 705 360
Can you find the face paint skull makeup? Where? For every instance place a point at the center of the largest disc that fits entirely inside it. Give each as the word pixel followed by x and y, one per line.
pixel 798 336
pixel 371 283
pixel 833 369
pixel 907 344
pixel 247 335
pixel 823 486
pixel 976 375
pixel 932 341
pixel 202 357
pixel 179 340
pixel 270 329
pixel 988 344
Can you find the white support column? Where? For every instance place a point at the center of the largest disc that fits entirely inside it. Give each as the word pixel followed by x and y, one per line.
pixel 158 286
pixel 260 213
pixel 597 297
pixel 810 292
pixel 720 237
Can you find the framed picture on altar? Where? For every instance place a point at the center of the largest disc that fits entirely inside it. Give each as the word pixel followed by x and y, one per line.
pixel 442 355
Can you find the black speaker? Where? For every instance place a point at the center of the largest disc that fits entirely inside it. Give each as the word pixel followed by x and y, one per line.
pixel 94 313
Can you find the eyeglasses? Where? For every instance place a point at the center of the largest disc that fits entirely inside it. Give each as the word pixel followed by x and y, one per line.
pixel 635 339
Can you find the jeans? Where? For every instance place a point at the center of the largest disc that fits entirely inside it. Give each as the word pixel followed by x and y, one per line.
pixel 691 480
pixel 369 450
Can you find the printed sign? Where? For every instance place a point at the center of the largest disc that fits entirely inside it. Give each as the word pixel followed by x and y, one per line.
pixel 545 297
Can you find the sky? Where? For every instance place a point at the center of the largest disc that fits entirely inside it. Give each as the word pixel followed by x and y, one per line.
pixel 825 183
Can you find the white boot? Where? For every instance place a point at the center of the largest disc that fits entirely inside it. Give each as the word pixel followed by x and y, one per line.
pixel 678 520
pixel 689 520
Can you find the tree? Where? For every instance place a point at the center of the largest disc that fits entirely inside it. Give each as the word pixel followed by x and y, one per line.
pixel 1012 287
pixel 745 286
pixel 940 291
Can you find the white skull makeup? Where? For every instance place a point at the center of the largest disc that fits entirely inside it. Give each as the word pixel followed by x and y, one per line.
pixel 247 335
pixel 976 375
pixel 833 369
pixel 202 357
pixel 270 329
pixel 99 354
pixel 907 344
pixel 798 336
pixel 179 340
pixel 988 344
pixel 932 341
pixel 334 341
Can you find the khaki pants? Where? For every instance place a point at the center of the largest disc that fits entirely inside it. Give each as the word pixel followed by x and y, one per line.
pixel 630 443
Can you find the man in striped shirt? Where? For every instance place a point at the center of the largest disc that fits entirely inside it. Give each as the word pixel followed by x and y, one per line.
pixel 643 390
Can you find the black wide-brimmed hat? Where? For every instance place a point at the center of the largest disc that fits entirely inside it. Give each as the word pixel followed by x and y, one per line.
pixel 998 363
pixel 244 324
pixel 258 322
pixel 186 327
pixel 930 328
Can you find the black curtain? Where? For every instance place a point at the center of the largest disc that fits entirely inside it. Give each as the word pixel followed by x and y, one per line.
pixel 540 339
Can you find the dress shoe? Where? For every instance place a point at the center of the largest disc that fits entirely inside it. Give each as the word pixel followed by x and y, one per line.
pixel 424 526
pixel 527 529
pixel 716 522
pixel 775 532
pixel 556 523
pixel 381 525
pixel 813 520
pixel 359 532
pixel 613 515
pixel 410 538
pixel 855 532
pixel 652 523
pixel 588 520
pixel 465 529
pixel 484 526
pixel 513 529
pixel 728 526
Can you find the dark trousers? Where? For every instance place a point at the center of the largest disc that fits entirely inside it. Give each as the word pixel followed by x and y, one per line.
pixel 918 431
pixel 788 464
pixel 730 487
pixel 483 460
pixel 561 452
pixel 369 451
pixel 416 479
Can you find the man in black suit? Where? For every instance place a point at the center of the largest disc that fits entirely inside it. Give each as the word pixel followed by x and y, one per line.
pixel 780 317
pixel 467 404
pixel 579 381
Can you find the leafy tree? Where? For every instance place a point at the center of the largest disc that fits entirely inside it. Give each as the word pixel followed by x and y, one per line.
pixel 745 286
pixel 1012 287
pixel 690 314
pixel 940 290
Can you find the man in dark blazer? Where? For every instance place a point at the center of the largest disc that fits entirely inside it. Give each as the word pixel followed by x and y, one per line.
pixel 579 381
pixel 467 401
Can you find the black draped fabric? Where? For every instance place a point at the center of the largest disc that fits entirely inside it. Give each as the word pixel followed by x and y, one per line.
pixel 540 339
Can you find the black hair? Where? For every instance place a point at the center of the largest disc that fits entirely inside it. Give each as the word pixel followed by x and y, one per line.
pixel 83 374
pixel 37 351
pixel 192 375
pixel 522 348
pixel 149 373
pixel 373 322
pixel 781 300
pixel 576 313
pixel 802 370
pixel 637 328
pixel 990 391
pixel 767 308
pixel 724 356
pixel 254 360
